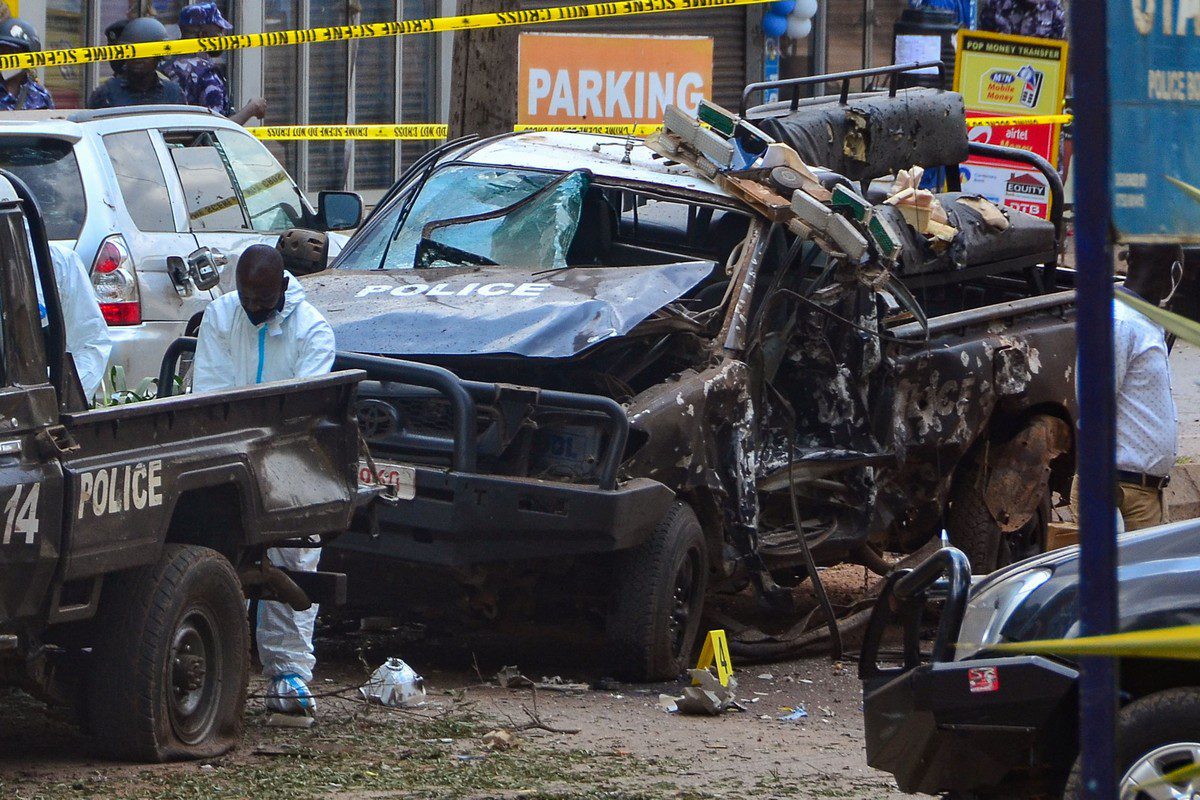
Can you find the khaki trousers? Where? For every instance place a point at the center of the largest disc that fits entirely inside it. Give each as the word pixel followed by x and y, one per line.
pixel 1140 506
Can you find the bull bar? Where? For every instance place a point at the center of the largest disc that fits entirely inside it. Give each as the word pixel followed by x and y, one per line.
pixel 460 515
pixel 974 725
pixel 904 596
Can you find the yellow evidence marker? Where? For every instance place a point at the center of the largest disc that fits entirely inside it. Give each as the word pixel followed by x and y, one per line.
pixel 716 649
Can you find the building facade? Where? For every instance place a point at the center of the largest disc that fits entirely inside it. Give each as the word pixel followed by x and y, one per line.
pixel 407 79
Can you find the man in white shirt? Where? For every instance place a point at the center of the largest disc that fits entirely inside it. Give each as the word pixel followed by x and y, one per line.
pixel 1146 416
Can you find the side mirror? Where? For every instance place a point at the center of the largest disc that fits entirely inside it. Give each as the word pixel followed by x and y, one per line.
pixel 304 252
pixel 339 211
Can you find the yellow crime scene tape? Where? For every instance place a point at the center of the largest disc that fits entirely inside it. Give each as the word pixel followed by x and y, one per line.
pixel 434 131
pixel 1186 329
pixel 356 132
pixel 612 130
pixel 342 33
pixel 422 132
pixel 274 179
pixel 1181 643
pixel 1040 119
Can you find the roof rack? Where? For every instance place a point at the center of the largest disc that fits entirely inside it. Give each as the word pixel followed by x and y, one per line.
pixel 894 70
pixel 130 111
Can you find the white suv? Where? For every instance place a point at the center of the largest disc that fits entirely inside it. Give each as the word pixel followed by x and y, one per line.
pixel 137 191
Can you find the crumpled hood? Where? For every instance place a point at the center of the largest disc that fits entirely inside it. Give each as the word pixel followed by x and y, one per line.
pixel 494 310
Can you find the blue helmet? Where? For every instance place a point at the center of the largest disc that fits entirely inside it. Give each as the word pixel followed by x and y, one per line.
pixel 198 14
pixel 20 34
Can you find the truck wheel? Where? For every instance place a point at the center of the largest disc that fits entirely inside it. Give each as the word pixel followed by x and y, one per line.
pixel 1156 735
pixel 171 659
pixel 658 595
pixel 972 529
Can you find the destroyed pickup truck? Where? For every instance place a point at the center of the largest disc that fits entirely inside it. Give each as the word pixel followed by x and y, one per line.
pixel 691 384
pixel 133 534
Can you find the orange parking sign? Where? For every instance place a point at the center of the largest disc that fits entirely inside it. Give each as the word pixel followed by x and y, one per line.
pixel 592 79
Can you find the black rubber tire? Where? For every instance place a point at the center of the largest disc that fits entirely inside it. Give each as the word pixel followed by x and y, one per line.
pixel 972 529
pixel 651 636
pixel 1150 722
pixel 162 629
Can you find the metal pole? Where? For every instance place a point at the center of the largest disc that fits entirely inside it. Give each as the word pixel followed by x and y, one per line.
pixel 1097 428
pixel 820 47
pixel 868 38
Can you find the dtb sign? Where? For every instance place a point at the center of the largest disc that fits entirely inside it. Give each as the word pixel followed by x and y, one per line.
pixel 587 79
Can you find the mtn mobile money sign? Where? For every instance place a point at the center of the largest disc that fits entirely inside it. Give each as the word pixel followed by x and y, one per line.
pixel 605 79
pixel 1154 87
pixel 1001 75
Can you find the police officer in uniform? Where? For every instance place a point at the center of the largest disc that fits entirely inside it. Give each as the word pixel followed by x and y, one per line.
pixel 19 90
pixel 198 75
pixel 138 83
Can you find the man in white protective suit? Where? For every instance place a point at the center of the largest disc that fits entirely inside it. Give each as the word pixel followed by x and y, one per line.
pixel 267 331
pixel 88 341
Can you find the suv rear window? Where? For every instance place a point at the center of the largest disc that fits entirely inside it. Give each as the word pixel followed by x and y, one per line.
pixel 49 168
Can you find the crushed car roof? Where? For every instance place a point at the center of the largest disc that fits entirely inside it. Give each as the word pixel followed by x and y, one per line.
pixel 602 154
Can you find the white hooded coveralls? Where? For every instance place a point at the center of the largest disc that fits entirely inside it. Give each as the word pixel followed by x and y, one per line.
pixel 296 342
pixel 88 341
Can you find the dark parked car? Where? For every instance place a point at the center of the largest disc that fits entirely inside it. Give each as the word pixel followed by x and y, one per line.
pixel 966 720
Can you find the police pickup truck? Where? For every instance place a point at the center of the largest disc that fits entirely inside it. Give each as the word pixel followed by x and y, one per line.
pixel 131 535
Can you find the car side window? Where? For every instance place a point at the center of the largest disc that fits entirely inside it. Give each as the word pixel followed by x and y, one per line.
pixel 272 201
pixel 140 176
pixel 213 201
pixel 232 183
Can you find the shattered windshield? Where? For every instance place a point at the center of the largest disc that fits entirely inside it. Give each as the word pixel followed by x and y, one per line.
pixel 534 232
pixel 452 192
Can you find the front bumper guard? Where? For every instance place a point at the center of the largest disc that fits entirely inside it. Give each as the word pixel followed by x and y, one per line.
pixel 457 519
pixel 459 516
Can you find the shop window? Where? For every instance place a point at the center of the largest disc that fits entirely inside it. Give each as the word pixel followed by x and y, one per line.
pixel 407 65
pixel 327 92
pixel 419 78
pixel 66 28
pixel 281 80
pixel 374 64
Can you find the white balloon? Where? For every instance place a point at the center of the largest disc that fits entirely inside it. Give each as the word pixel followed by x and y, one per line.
pixel 805 9
pixel 798 28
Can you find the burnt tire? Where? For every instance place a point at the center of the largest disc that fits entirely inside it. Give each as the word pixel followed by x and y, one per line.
pixel 658 597
pixel 973 530
pixel 171 660
pixel 1156 734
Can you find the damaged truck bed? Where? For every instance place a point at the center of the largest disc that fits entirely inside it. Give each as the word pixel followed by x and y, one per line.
pixel 670 378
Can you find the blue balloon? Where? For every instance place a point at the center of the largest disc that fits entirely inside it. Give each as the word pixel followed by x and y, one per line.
pixel 774 25
pixel 783 7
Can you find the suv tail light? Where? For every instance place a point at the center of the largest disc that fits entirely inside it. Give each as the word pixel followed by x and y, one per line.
pixel 114 280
